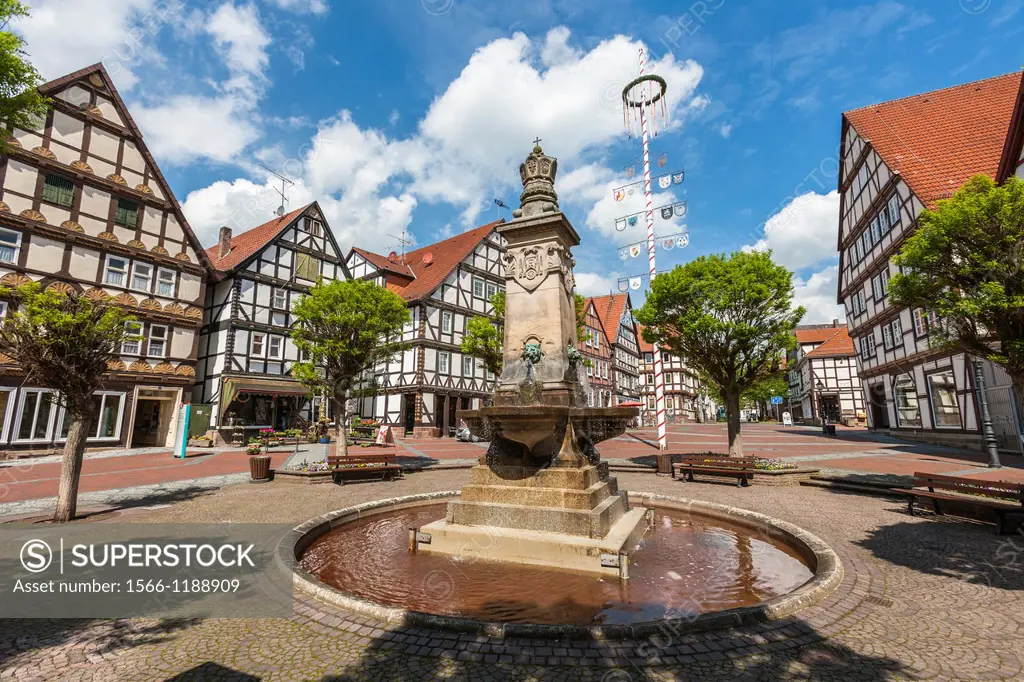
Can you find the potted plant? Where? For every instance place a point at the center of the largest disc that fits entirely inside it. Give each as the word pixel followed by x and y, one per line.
pixel 259 463
pixel 203 441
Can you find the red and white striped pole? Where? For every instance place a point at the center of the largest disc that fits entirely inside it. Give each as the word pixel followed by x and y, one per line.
pixel 659 377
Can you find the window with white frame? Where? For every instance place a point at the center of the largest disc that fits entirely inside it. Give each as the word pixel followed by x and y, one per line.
pixel 444 359
pixel 867 347
pixel 886 336
pixel 446 321
pixel 165 282
pixel 478 287
pixel 108 408
pixel 945 406
pixel 492 289
pixel 274 346
pixel 35 416
pixel 157 346
pixel 257 342
pixel 908 412
pixel 590 369
pixel 467 365
pixel 876 230
pixel 920 322
pixel 116 271
pixel 142 277
pixel 10 244
pixel 279 299
pixel 894 210
pixel 132 343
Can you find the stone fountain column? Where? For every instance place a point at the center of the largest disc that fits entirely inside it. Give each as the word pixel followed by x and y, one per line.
pixel 540 494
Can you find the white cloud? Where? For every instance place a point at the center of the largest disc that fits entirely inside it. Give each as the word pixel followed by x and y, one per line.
pixel 242 41
pixel 186 128
pixel 394 118
pixel 725 129
pixel 818 294
pixel 804 232
pixel 594 284
pixel 65 35
pixel 302 6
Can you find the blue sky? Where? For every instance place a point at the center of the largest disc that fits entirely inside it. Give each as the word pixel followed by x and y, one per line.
pixel 414 114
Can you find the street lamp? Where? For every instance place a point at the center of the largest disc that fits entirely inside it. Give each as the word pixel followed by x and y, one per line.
pixel 988 432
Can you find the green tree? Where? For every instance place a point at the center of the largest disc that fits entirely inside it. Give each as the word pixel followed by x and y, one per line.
pixel 345 326
pixel 21 105
pixel 731 319
pixel 965 263
pixel 63 341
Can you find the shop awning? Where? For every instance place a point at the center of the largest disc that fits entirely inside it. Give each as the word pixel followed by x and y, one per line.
pixel 232 386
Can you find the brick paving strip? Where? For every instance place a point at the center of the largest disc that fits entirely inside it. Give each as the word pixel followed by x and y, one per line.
pixel 921 598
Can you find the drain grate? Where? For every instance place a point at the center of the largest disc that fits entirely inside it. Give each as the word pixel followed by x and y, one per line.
pixel 881 601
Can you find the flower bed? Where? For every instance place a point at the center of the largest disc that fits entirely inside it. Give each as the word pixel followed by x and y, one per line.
pixel 770 464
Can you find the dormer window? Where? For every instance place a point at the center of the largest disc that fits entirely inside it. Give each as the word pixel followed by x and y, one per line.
pixel 311 226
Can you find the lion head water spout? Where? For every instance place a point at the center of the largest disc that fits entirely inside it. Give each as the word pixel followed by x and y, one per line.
pixel 540 488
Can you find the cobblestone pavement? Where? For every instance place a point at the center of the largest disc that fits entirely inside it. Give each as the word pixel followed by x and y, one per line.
pixel 923 598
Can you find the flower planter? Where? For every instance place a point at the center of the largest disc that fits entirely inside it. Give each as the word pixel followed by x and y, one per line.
pixel 200 443
pixel 259 467
pixel 325 440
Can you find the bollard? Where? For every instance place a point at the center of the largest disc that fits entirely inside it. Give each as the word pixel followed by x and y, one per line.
pixel 623 565
pixel 412 539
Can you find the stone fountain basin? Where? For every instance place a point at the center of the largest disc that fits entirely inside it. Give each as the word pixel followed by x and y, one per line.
pixel 531 424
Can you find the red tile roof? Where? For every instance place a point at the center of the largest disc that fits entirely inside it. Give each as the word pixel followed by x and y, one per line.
pixel 645 347
pixel 609 311
pixel 839 344
pixel 938 140
pixel 441 260
pixel 815 335
pixel 249 242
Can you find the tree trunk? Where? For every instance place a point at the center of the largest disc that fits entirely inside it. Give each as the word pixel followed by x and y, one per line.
pixel 71 467
pixel 341 412
pixel 732 415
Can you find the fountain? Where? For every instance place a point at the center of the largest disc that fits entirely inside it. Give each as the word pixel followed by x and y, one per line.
pixel 527 547
pixel 540 495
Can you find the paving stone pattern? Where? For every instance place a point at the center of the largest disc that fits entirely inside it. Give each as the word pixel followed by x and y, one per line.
pixel 923 598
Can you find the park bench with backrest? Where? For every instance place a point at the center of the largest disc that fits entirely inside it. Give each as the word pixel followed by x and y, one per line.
pixel 364 468
pixel 740 468
pixel 1001 497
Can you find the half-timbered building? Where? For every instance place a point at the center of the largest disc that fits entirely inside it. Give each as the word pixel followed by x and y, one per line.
pixel 896 159
pixel 85 207
pixel 245 350
pixel 615 312
pixel 823 379
pixel 445 285
pixel 600 363
pixel 682 386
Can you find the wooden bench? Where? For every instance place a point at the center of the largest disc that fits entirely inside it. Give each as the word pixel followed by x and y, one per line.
pixel 971 492
pixel 383 468
pixel 740 468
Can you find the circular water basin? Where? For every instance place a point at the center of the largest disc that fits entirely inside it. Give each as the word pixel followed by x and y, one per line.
pixel 688 564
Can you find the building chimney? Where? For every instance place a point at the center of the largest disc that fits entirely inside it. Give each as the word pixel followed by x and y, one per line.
pixel 835 320
pixel 224 242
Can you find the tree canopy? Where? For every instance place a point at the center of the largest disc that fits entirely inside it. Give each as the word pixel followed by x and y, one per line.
pixel 965 263
pixel 344 327
pixel 64 341
pixel 21 105
pixel 729 317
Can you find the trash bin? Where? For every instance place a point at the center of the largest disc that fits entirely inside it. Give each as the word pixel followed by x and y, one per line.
pixel 259 467
pixel 828 429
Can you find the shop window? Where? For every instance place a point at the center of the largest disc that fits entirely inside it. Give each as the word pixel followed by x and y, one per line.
pixel 908 412
pixel 108 409
pixel 35 415
pixel 945 406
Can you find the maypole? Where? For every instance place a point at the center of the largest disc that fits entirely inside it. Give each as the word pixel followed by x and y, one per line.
pixel 643 94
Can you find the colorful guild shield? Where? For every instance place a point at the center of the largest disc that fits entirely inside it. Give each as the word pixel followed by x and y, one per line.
pixel 635 282
pixel 677 178
pixel 632 220
pixel 667 243
pixel 630 192
pixel 620 224
pixel 634 250
pixel 624 253
pixel 666 212
pixel 662 160
pixel 623 285
pixel 682 240
pixel 680 209
pixel 630 171
pixel 664 181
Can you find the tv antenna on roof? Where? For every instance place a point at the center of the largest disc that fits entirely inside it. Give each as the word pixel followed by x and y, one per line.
pixel 285 182
pixel 403 242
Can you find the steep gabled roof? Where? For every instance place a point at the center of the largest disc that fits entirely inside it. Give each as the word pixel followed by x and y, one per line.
pixel 52 87
pixel 645 346
pixel 442 259
pixel 938 140
pixel 247 243
pixel 609 311
pixel 838 345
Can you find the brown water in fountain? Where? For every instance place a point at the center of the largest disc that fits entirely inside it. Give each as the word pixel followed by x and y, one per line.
pixel 686 564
